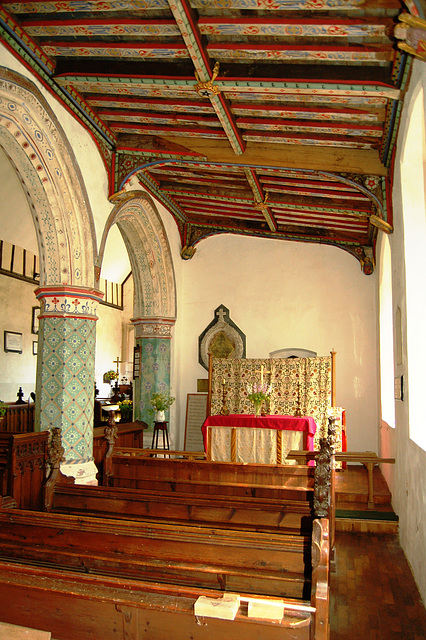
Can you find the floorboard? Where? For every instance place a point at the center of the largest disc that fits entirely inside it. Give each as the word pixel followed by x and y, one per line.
pixel 373 593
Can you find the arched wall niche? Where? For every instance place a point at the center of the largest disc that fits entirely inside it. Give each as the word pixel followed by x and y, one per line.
pixel 42 157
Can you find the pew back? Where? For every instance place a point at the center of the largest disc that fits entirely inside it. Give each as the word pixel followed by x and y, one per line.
pixel 134 469
pixel 23 459
pixel 266 514
pixel 206 557
pixel 19 418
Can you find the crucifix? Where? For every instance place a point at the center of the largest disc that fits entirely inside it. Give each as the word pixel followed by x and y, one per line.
pixel 117 362
pixel 262 367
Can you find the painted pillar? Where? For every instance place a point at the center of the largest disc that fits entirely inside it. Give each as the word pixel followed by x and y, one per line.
pixel 153 336
pixel 66 373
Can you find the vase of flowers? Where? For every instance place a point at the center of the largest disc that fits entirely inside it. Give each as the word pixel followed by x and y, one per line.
pixel 160 402
pixel 126 410
pixel 257 394
pixel 109 376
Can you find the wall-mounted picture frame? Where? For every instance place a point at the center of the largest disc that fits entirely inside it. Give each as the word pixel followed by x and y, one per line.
pixel 34 321
pixel 13 342
pixel 35 345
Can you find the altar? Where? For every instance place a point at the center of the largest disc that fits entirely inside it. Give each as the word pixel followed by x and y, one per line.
pixel 265 439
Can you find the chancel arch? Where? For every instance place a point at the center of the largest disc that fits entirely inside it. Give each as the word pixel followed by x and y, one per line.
pixel 41 156
pixel 154 311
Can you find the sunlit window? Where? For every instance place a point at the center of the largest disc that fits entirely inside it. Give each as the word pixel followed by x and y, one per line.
pixel 386 335
pixel 414 213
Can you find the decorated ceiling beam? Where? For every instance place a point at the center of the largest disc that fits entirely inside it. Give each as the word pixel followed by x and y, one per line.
pixel 300 53
pixel 18 41
pixel 111 27
pixel 260 198
pixel 296 29
pixel 136 5
pixel 250 88
pixel 203 72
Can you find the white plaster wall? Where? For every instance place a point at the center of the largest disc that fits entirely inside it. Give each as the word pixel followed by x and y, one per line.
pixel 88 157
pixel 17 369
pixel 407 481
pixel 16 220
pixel 283 294
pixel 108 345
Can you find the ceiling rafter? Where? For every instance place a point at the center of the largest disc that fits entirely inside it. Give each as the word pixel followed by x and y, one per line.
pixel 272 118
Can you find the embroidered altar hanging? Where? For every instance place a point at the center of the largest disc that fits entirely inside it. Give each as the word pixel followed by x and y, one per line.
pixel 300 386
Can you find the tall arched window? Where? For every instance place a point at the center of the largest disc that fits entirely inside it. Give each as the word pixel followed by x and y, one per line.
pixel 386 335
pixel 414 213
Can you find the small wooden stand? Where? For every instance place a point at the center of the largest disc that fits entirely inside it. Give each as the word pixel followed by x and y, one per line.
pixel 160 426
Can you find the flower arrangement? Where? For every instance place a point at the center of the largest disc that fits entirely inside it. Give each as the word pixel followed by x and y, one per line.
pixel 161 402
pixel 257 394
pixel 110 375
pixel 3 407
pixel 126 408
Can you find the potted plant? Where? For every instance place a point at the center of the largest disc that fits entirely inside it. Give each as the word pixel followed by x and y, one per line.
pixel 126 410
pixel 160 403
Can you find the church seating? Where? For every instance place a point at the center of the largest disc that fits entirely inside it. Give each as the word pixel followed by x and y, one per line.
pixel 204 552
pixel 89 605
pixel 19 418
pixel 128 434
pixel 207 557
pixel 243 512
pixel 23 458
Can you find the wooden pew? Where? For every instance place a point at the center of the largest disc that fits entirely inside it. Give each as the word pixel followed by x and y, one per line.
pixel 23 458
pixel 89 606
pixel 19 418
pixel 266 514
pixel 201 556
pixel 129 434
pixel 369 459
pixel 205 557
pixel 135 469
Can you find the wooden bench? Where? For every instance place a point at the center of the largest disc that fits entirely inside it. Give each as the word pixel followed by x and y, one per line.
pixel 266 514
pixel 367 458
pixel 136 469
pixel 88 606
pixel 196 554
pixel 23 458
pixel 19 418
pixel 205 557
pixel 129 434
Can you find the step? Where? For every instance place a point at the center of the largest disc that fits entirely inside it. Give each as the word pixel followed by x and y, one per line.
pixel 382 519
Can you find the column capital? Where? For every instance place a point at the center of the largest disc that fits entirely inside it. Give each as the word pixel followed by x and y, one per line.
pixel 153 327
pixel 67 301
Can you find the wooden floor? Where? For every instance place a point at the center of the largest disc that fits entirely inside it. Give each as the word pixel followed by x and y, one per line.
pixel 373 593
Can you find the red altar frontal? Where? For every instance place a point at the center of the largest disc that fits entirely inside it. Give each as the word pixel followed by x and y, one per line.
pixel 247 438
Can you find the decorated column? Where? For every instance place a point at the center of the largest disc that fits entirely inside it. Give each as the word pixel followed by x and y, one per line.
pixel 66 373
pixel 152 336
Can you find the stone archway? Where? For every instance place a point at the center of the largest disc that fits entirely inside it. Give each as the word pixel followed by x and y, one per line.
pixel 154 309
pixel 37 148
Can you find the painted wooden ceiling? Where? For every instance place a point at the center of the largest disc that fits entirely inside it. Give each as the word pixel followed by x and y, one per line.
pixel 268 118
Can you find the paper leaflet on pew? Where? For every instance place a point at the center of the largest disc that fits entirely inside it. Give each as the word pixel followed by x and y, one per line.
pixel 226 608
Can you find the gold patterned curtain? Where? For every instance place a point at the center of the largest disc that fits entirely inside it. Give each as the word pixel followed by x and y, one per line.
pixel 300 386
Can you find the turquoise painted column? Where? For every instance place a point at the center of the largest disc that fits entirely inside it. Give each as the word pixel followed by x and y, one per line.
pixel 153 336
pixel 66 373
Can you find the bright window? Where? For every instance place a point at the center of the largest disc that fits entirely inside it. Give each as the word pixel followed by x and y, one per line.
pixel 413 198
pixel 386 335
